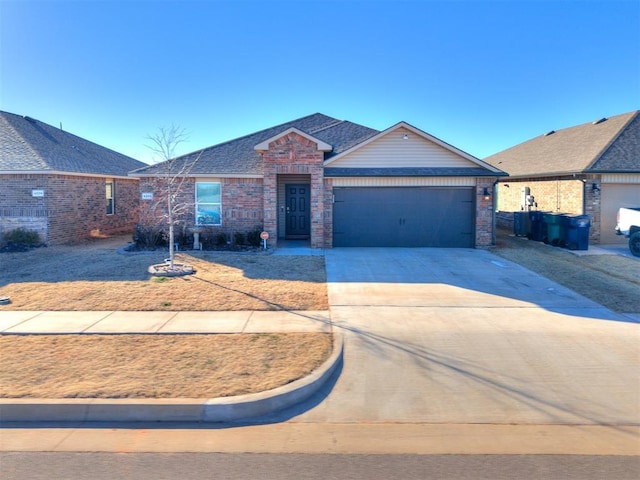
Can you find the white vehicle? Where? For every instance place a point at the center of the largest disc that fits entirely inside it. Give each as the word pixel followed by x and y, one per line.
pixel 629 226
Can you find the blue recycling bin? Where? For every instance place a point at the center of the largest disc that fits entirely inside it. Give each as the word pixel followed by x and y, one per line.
pixel 538 230
pixel 576 232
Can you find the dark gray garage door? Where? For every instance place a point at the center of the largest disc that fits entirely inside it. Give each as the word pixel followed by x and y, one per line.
pixel 403 217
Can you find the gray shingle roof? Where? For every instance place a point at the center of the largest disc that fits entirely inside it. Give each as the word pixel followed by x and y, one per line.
pixel 611 146
pixel 239 157
pixel 29 145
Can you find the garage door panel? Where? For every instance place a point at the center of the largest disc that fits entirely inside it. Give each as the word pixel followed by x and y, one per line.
pixel 404 217
pixel 613 197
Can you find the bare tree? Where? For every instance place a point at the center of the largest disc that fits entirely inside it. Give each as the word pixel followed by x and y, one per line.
pixel 172 175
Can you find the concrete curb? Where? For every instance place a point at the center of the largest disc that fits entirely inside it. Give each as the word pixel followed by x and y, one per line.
pixel 223 409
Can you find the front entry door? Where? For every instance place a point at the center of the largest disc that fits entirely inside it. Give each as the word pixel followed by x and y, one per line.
pixel 297 211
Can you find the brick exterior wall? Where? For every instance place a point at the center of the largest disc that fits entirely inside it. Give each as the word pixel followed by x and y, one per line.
pixel 328 213
pixel 292 154
pixel 560 195
pixel 484 212
pixel 592 207
pixel 242 205
pixel 564 196
pixel 19 208
pixel 73 208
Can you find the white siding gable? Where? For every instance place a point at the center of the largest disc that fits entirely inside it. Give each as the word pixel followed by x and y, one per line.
pixel 393 150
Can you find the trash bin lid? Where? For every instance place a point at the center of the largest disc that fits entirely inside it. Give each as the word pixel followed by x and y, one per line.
pixel 553 217
pixel 579 220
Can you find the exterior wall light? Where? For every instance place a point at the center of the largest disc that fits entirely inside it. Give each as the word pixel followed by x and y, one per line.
pixel 486 194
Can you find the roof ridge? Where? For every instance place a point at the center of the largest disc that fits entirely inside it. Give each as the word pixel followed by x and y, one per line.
pixel 35 145
pixel 332 124
pixel 66 133
pixel 37 155
pixel 257 132
pixel 598 121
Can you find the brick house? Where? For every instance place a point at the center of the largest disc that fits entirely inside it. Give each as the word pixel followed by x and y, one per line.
pixel 337 183
pixel 593 169
pixel 62 186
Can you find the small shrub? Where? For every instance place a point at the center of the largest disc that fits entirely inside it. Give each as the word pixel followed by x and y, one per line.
pixel 253 237
pixel 22 236
pixel 149 237
pixel 238 238
pixel 221 240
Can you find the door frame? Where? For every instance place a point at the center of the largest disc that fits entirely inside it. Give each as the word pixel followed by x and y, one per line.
pixel 297 236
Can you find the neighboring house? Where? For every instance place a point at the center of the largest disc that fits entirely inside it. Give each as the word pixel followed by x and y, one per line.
pixel 591 169
pixel 337 183
pixel 62 186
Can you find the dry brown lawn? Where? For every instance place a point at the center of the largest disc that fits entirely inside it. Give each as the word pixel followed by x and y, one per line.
pixel 610 280
pixel 155 366
pixel 94 276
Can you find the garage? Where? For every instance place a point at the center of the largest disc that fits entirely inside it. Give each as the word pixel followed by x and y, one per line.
pixel 403 217
pixel 613 197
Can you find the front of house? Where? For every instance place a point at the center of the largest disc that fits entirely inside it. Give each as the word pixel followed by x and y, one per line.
pixel 336 183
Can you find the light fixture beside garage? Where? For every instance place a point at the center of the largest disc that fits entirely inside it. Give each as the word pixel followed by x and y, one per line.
pixel 486 194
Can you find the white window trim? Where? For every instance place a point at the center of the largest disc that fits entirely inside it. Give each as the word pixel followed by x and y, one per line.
pixel 112 197
pixel 202 203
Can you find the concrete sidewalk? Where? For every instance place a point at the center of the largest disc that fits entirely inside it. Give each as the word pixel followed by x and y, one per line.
pixel 120 322
pixel 225 409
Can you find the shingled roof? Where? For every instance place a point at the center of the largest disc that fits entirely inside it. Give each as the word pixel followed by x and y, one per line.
pixel 238 156
pixel 608 145
pixel 31 146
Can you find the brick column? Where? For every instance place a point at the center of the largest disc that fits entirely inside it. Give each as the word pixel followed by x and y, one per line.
pixel 592 207
pixel 484 212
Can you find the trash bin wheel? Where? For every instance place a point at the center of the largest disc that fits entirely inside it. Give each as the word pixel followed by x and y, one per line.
pixel 634 243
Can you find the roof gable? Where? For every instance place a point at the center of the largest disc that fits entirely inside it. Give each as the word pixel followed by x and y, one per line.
pixel 623 153
pixel 29 145
pixel 238 157
pixel 405 146
pixel 606 145
pixel 264 145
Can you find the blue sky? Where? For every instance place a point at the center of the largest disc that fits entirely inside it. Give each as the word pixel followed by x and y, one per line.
pixel 481 75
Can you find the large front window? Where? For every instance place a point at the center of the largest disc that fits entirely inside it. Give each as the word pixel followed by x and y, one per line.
pixel 208 203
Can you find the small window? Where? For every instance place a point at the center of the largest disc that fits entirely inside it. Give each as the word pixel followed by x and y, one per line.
pixel 208 203
pixel 111 198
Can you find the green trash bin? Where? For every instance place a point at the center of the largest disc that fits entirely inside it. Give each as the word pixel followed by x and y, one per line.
pixel 554 228
pixel 521 224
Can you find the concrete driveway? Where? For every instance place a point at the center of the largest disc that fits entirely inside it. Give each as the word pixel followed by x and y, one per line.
pixel 462 336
